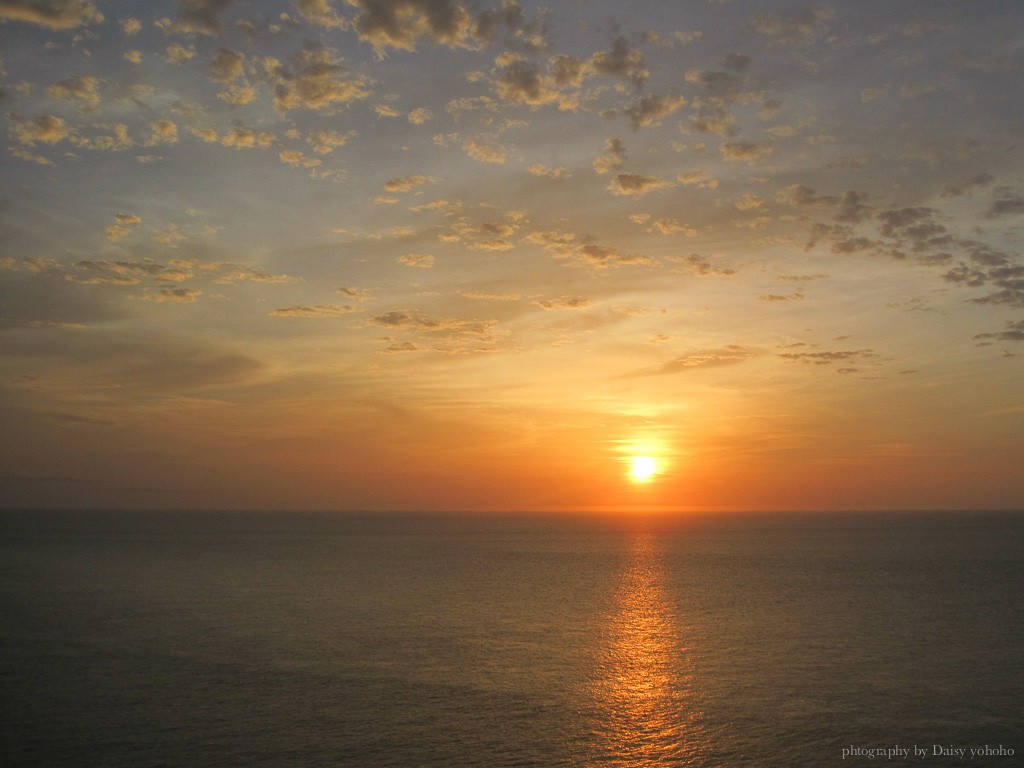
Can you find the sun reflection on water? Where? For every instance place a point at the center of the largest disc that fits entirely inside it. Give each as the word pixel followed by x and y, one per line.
pixel 644 694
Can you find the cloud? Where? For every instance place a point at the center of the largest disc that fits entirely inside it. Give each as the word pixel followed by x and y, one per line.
pixel 827 358
pixel 485 149
pixel 745 151
pixel 162 132
pixel 297 158
pixel 202 16
pixel 1006 204
pixel 358 294
pixel 55 14
pixel 399 23
pixel 732 354
pixel 83 89
pixel 700 264
pixel 319 12
pixel 665 226
pixel 410 320
pixel 539 169
pixel 418 260
pixel 318 310
pixel 406 183
pixel 621 61
pixel 420 115
pixel 967 184
pixel 802 195
pixel 1008 278
pixel 177 54
pixel 315 81
pixel 648 110
pixel 522 82
pixel 915 223
pixel 491 296
pixel 175 294
pixel 794 28
pixel 614 156
pixel 227 65
pixel 1014 332
pixel 699 178
pixel 636 184
pixel 130 26
pixel 46 129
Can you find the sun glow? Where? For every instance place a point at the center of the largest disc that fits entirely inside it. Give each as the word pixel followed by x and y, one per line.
pixel 642 468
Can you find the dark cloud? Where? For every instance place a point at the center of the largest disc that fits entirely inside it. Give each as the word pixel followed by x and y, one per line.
pixel 399 23
pixel 319 12
pixel 227 65
pixel 827 358
pixel 603 257
pixel 648 110
pixel 701 265
pixel 1014 332
pixel 316 80
pixel 1007 279
pixel 621 61
pixel 966 185
pixel 202 16
pixel 1006 204
pixel 802 195
pixel 915 224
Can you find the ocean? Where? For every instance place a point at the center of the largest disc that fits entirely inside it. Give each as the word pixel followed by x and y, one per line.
pixel 439 640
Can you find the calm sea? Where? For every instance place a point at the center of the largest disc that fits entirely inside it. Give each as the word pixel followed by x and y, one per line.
pixel 257 639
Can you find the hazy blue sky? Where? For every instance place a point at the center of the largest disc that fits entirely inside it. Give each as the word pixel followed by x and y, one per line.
pixel 432 254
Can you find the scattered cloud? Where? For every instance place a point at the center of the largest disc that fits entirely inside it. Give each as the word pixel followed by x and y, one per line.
pixel 486 150
pixel 406 183
pixel 792 28
pixel 400 23
pixel 317 310
pixel 315 80
pixel 827 358
pixel 539 169
pixel 565 302
pixel 418 260
pixel 732 354
pixel 85 89
pixel 745 151
pixel 636 184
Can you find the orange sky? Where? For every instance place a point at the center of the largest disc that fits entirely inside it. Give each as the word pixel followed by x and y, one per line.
pixel 414 254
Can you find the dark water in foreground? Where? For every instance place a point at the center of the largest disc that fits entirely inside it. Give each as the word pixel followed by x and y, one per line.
pixel 166 639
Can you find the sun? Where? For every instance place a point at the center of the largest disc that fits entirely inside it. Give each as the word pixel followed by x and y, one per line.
pixel 642 468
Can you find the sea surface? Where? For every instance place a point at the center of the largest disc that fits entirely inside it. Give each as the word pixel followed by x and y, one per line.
pixel 442 640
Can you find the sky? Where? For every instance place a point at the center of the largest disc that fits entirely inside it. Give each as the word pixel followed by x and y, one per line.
pixel 433 254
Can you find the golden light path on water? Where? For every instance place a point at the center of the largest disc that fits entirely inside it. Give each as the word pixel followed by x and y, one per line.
pixel 644 692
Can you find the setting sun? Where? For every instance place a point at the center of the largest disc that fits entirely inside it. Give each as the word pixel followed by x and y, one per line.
pixel 642 468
